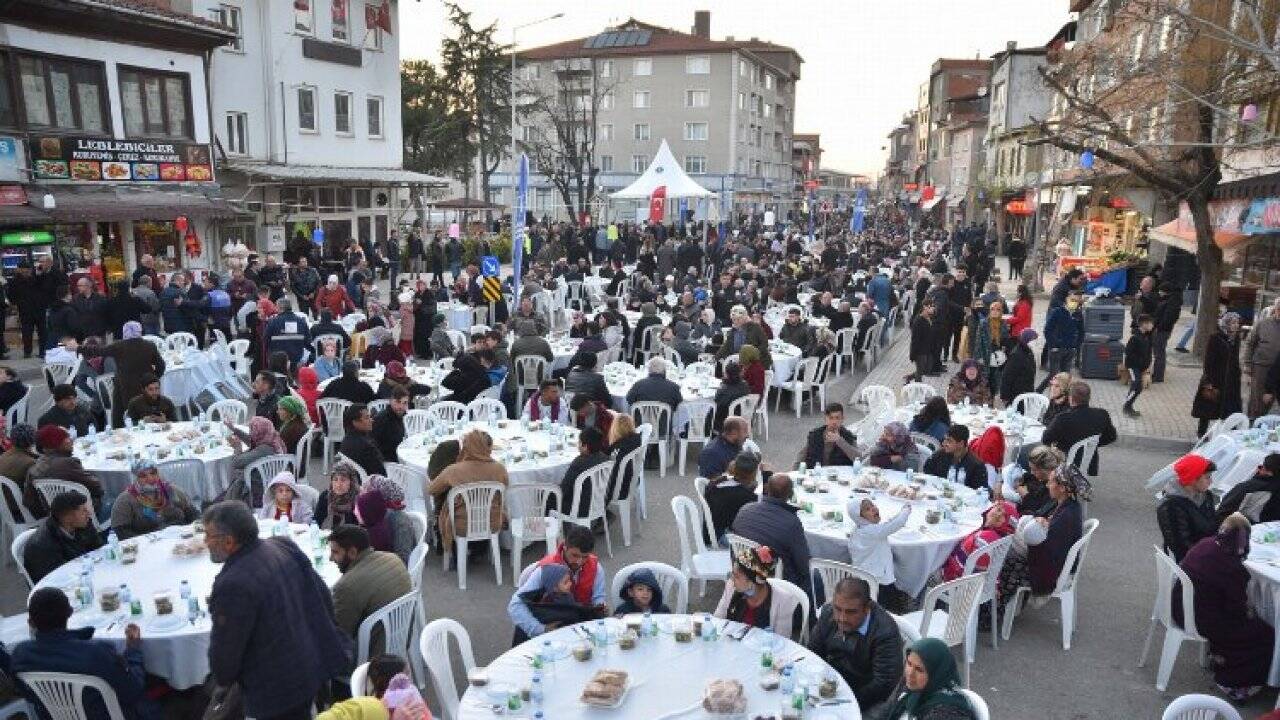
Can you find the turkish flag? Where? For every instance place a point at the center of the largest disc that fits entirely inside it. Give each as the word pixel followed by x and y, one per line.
pixel 384 16
pixel 658 204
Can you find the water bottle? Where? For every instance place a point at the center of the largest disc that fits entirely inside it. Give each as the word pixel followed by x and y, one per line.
pixel 798 696
pixel 113 546
pixel 648 628
pixel 184 589
pixel 128 422
pixel 125 596
pixel 857 466
pixel 86 589
pixel 314 531
pixel 542 655
pixel 93 430
pixel 911 475
pixel 801 468
pixel 281 528
pixel 601 634
pixel 788 682
pixel 536 693
pixel 708 630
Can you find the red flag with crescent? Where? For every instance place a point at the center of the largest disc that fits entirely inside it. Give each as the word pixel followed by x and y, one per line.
pixel 658 204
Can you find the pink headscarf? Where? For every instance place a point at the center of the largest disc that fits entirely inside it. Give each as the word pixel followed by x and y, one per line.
pixel 262 432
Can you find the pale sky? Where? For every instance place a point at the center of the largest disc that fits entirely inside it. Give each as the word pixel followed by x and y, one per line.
pixel 864 60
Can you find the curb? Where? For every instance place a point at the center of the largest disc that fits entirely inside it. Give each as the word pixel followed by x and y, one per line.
pixel 1154 443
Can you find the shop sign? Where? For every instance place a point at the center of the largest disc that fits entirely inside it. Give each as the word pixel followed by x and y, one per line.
pixel 910 186
pixel 12 162
pixel 1263 217
pixel 81 159
pixel 12 195
pixel 27 237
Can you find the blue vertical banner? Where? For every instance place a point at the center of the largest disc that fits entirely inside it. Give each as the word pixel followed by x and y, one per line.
pixel 859 211
pixel 684 210
pixel 517 226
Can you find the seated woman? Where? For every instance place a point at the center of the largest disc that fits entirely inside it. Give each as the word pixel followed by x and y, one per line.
pixel 383 353
pixel 282 501
pixel 397 377
pixel 970 383
pixel 930 687
pixel 1048 539
pixel 727 494
pixel 552 603
pixel 641 594
pixel 933 419
pixel 590 454
pixel 372 514
pixel 278 365
pixel 1028 489
pixel 475 464
pixel 998 522
pixel 392 695
pixel 623 439
pixel 1188 512
pixel 337 505
pixel 402 528
pixel 895 450
pixel 753 369
pixel 295 422
pixel 309 391
pixel 989 447
pixel 261 440
pixel 749 598
pixel 1239 642
pixel 328 365
pixel 1058 387
pixel 149 504
pixel 869 546
pixel 732 387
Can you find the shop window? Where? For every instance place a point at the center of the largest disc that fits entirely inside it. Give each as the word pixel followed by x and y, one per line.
pixel 380 228
pixel 242 233
pixel 307 200
pixel 364 198
pixel 364 227
pixel 63 94
pixel 337 236
pixel 161 241
pixel 288 200
pixel 326 200
pixel 342 199
pixel 155 104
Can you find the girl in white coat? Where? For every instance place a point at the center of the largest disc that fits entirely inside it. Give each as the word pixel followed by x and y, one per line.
pixel 869 549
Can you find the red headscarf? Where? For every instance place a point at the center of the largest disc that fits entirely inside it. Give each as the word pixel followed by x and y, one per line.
pixel 989 447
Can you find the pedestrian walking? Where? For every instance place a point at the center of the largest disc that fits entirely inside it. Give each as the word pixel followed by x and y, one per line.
pixel 1137 361
pixel 1218 392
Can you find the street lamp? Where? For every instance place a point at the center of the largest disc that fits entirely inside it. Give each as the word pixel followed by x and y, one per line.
pixel 514 168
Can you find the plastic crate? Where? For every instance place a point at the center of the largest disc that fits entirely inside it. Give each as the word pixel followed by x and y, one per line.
pixel 1101 360
pixel 1108 319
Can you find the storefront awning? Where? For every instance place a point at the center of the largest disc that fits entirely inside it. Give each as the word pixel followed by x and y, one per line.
pixel 22 216
pixel 329 174
pixel 1224 215
pixel 118 203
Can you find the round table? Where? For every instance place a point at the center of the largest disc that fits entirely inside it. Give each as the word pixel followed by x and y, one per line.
pixel 785 357
pixel 563 349
pixel 980 417
pixel 666 678
pixel 918 549
pixel 109 454
pixel 1264 584
pixel 428 375
pixel 458 315
pixel 692 387
pixel 176 650
pixel 186 374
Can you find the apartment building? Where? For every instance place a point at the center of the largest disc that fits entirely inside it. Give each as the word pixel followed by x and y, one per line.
pixel 1019 98
pixel 726 108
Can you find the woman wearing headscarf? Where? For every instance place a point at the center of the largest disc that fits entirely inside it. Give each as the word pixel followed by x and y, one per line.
pixel 334 298
pixel 895 450
pixel 749 598
pixel 309 391
pixel 295 421
pixel 281 501
pixel 134 358
pixel 407 323
pixel 328 365
pixel 752 368
pixel 441 344
pixel 930 688
pixel 1218 393
pixel 424 309
pixel 403 537
pixel 623 439
pixel 1048 538
pixel 397 377
pixel 475 464
pixel 261 440
pixel 382 346
pixel 732 388
pixel 1188 512
pixel 372 513
pixel 969 383
pixel 1019 374
pixel 989 447
pixel 997 522
pixel 1239 642
pixel 337 505
pixel 149 503
pixel 1059 385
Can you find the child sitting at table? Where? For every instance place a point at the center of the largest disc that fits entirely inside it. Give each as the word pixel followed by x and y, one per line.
pixel 552 603
pixel 391 695
pixel 869 543
pixel 284 501
pixel 641 594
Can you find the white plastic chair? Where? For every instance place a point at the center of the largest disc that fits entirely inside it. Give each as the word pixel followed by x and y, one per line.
pixel 1167 573
pixel 486 409
pixel 632 462
pixel 413 481
pixel 106 384
pixel 708 522
pixel 340 459
pixel 1233 423
pixel 12 525
pixel 50 488
pixel 979 706
pixel 396 619
pixel 782 587
pixel 360 681
pixel 62 694
pixel 182 342
pixel 845 348
pixel 696 561
pixel 265 469
pixel 831 572
pixel 331 411
pixel 238 351
pixel 1031 405
pixel 810 378
pixel 596 479
pixel 673 583
pixel 18 412
pixel 530 371
pixel 434 645
pixel 657 415
pixel 700 414
pixel 377 406
pixel 1064 591
pixel 1267 422
pixel 995 554
pixel 17 551
pixel 458 338
pixel 186 474
pixel 479 315
pixel 761 416
pixel 1200 707
pixel 317 344
pixel 444 412
pixel 877 397
pixel 62 373
pixel 926 443
pixel 419 421
pixel 699 368
pixel 477 503
pixel 302 453
pixel 530 520
pixel 952 625
pixel 917 392
pixel 234 410
pixel 1081 454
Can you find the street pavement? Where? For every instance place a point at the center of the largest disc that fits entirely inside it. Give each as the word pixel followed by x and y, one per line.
pixel 1030 675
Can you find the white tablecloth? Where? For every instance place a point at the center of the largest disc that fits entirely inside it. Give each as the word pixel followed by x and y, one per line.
pixel 177 652
pixel 979 419
pixel 918 549
pixel 1264 587
pixel 185 375
pixel 785 357
pixel 664 676
pixel 693 387
pixel 108 455
pixel 459 316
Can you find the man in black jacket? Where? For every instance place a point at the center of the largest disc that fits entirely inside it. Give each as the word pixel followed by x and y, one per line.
pixel 657 388
pixel 1137 360
pixel 1079 422
pixel 62 537
pixel 1168 309
pixel 388 427
pixel 1257 498
pixel 357 440
pixel 470 375
pixel 584 380
pixel 954 462
pixel 832 443
pixel 860 640
pixel 924 343
pixel 27 291
pixel 772 521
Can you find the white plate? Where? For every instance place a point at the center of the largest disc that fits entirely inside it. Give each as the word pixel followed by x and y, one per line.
pixel 165 623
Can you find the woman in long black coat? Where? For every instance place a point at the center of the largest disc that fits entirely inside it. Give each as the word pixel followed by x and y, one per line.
pixel 1218 392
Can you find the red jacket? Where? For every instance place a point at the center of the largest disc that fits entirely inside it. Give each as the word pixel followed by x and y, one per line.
pixel 1021 318
pixel 753 374
pixel 584 582
pixel 335 301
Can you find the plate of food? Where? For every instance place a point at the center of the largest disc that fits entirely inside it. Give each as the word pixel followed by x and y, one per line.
pixel 86 170
pixel 173 172
pixel 116 171
pixel 146 171
pixel 53 169
pixel 606 689
pixel 199 172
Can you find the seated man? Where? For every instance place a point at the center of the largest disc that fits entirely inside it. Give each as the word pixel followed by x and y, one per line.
pixel 954 462
pixel 12 389
pixel 772 521
pixel 357 440
pixel 727 493
pixel 657 388
pixel 586 575
pixel 388 426
pixel 65 535
pixel 832 443
pixel 151 406
pixel 68 411
pixel 717 454
pixel 795 330
pixel 1078 422
pixel 57 463
pixel 583 379
pixel 470 375
pixel 547 404
pixel 266 395
pixel 1257 498
pixel 587 413
pixel 860 640
pixel 54 648
pixel 371 580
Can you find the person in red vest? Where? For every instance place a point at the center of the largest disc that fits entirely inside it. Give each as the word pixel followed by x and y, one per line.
pixel 587 576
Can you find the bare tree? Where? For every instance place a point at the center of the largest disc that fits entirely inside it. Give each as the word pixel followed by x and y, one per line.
pixel 1157 96
pixel 561 114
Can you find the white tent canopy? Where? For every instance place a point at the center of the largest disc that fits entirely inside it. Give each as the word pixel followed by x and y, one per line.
pixel 664 170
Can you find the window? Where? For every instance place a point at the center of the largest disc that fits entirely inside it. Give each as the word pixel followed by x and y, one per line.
pixel 642 66
pixel 768 110
pixel 697 65
pixel 768 81
pixel 155 104
pixel 342 113
pixel 8 104
pixel 697 98
pixel 742 101
pixel 640 99
pixel 340 26
pixel 237 133
pixel 532 71
pixel 307 109
pixel 373 107
pixel 695 164
pixel 639 163
pixel 606 163
pixel 63 94
pixel 744 68
pixel 605 68
pixel 229 15
pixel 695 131
pixel 605 134
pixel 372 35
pixel 304 17
pixel 528 134
pixel 640 131
pixel 606 100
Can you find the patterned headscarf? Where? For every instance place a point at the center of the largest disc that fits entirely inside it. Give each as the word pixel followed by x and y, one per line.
pixel 131 330
pixel 1225 320
pixel 262 432
pixel 1076 484
pixel 390 489
pixel 899 443
pixel 22 435
pixel 758 563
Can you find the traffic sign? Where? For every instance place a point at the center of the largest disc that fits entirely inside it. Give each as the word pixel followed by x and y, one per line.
pixel 489 266
pixel 491 289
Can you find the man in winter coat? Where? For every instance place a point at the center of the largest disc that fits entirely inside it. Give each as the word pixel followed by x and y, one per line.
pixel 1168 308
pixel 305 281
pixel 27 292
pixel 91 309
pixel 1019 374
pixel 65 535
pixel 1262 349
pixel 773 521
pixel 1063 327
pixel 287 333
pixel 860 640
pixel 924 343
pixel 1257 498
